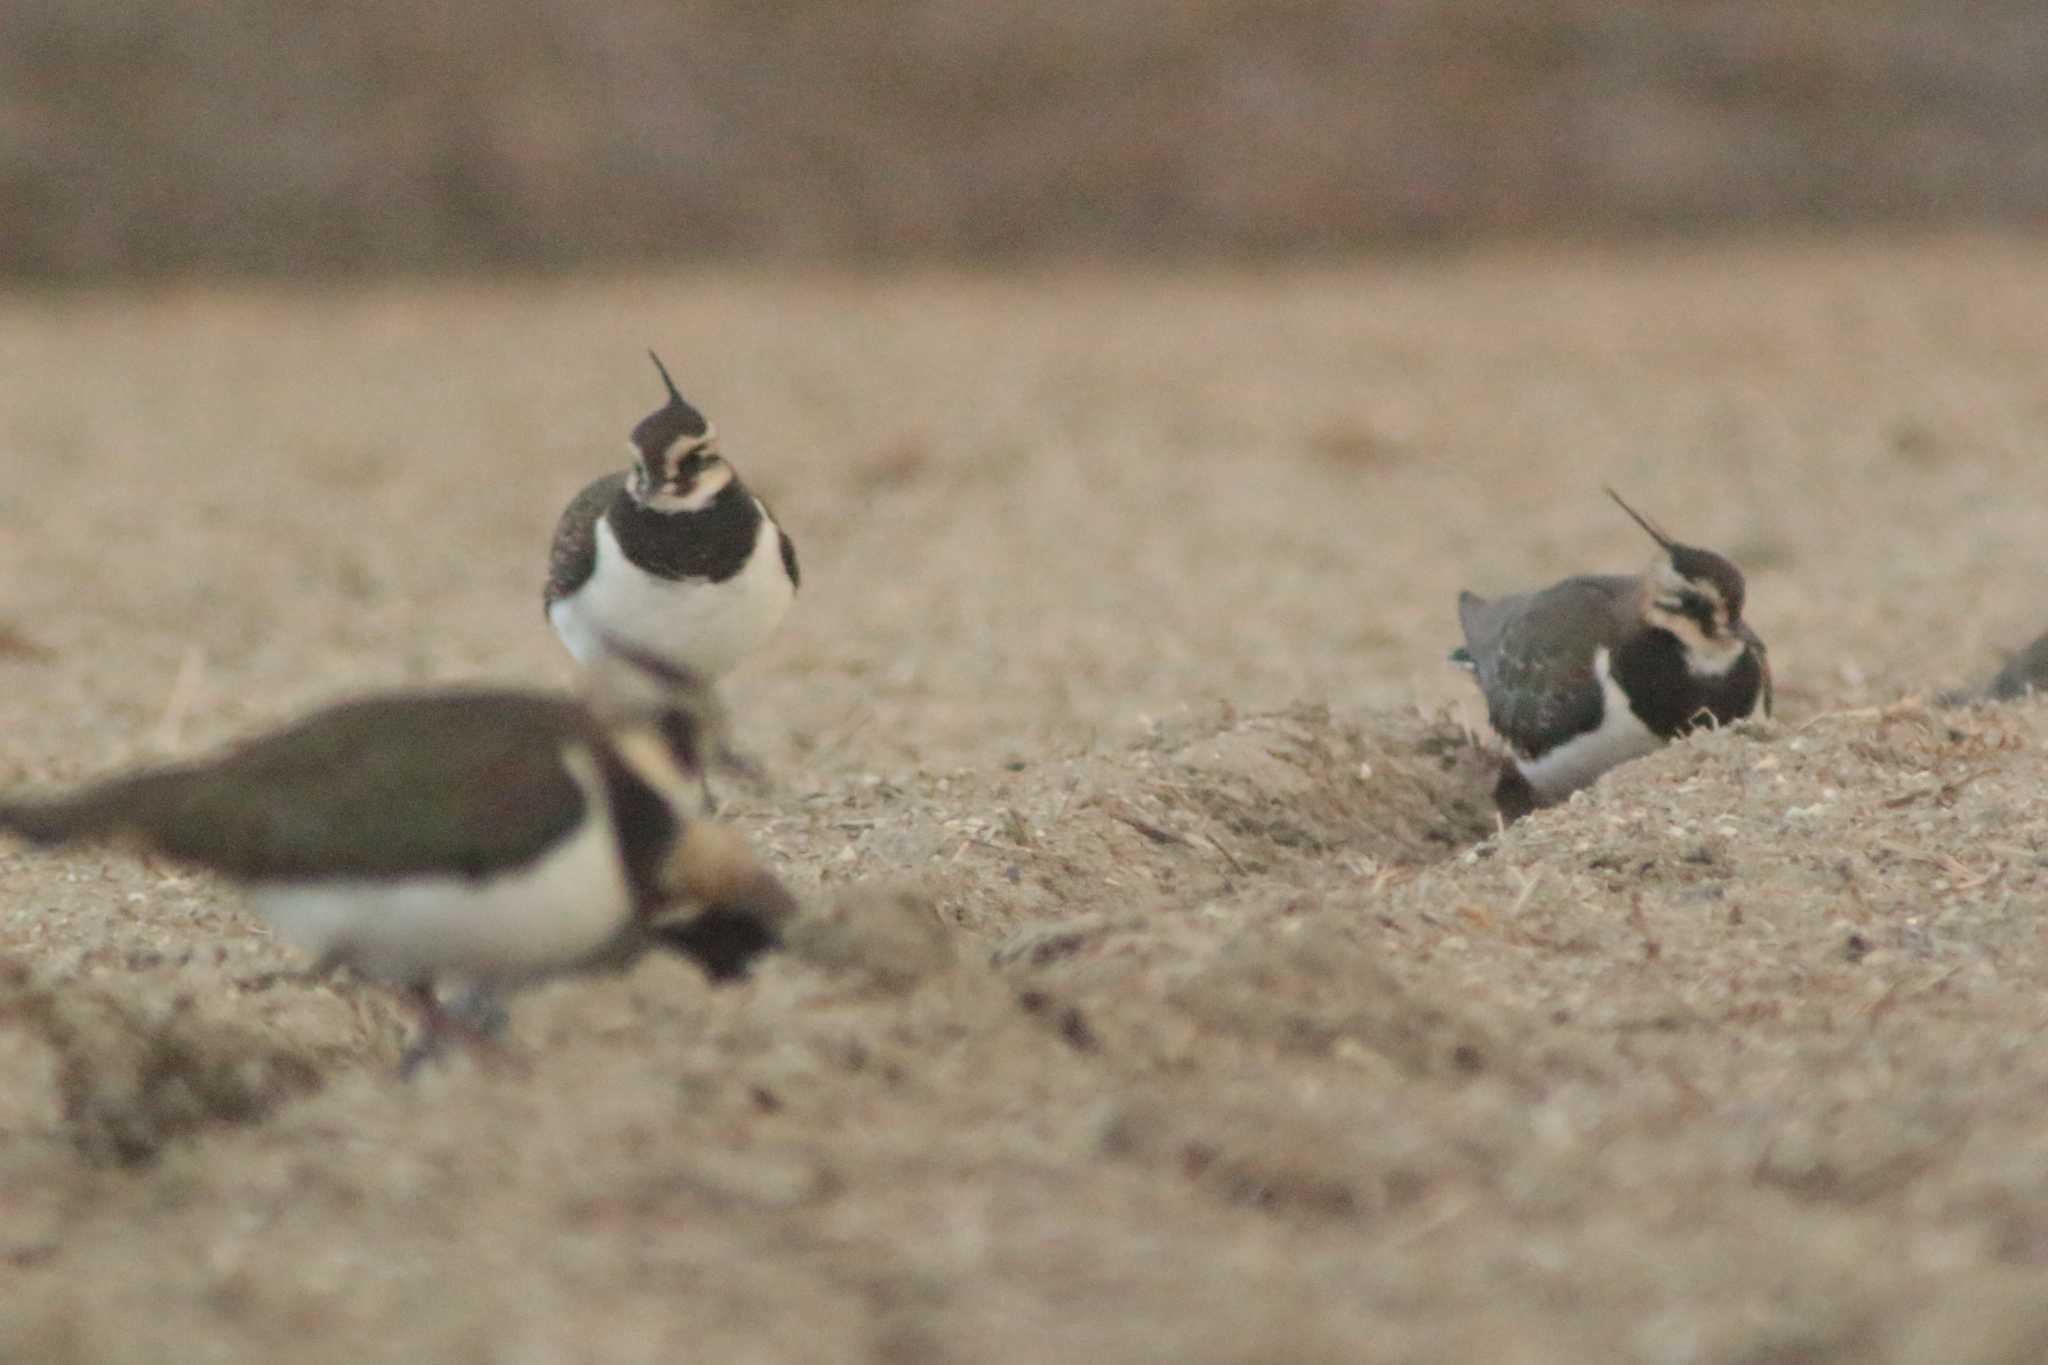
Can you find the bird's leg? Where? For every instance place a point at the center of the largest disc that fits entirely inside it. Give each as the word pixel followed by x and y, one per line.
pixel 476 1021
pixel 481 1009
pixel 1512 793
pixel 728 759
pixel 742 766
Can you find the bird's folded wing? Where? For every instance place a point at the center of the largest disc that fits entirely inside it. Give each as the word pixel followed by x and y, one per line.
pixel 1534 652
pixel 574 554
pixel 452 784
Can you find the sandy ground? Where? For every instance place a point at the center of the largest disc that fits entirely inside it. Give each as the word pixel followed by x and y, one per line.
pixel 1167 994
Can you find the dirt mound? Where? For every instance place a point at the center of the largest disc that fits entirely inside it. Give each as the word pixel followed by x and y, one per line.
pixel 1198 802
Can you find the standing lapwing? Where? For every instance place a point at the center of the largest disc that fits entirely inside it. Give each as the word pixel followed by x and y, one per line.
pixel 475 836
pixel 672 556
pixel 1599 669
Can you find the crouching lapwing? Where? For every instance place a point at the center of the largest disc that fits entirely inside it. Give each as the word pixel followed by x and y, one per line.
pixel 480 837
pixel 1599 669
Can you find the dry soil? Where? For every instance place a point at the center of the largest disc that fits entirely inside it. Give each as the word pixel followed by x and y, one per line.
pixel 1166 992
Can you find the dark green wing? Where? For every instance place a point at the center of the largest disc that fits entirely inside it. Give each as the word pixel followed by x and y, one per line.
pixel 466 783
pixel 1533 653
pixel 574 554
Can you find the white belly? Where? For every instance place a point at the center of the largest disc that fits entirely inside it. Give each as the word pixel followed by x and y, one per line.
pixel 547 916
pixel 705 626
pixel 1576 762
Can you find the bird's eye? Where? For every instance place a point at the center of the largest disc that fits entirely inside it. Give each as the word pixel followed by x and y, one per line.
pixel 687 467
pixel 1697 608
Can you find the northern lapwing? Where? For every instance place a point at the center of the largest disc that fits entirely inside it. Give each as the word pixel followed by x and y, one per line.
pixel 672 556
pixel 480 837
pixel 1599 669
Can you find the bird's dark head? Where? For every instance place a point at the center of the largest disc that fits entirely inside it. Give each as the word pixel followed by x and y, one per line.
pixel 1697 596
pixel 744 908
pixel 724 939
pixel 679 468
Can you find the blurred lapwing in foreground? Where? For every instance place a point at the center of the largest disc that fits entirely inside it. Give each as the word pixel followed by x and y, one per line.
pixel 1599 669
pixel 483 837
pixel 672 556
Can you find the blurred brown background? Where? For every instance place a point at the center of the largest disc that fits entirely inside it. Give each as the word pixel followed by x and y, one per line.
pixel 286 138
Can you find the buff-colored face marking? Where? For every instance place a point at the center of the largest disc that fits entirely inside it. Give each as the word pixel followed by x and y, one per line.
pixel 1694 611
pixel 687 477
pixel 711 862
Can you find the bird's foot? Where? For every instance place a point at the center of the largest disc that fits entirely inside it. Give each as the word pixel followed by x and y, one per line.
pixel 1512 793
pixel 476 1020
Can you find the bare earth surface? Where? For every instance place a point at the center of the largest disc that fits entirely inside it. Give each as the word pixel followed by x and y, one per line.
pixel 1167 994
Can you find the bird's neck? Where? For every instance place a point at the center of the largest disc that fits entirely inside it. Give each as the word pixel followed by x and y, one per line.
pixel 1670 694
pixel 708 541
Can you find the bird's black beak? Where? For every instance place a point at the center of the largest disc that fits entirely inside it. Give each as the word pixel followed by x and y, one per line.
pixel 727 935
pixel 724 939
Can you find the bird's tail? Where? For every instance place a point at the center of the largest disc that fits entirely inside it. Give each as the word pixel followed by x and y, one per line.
pixel 106 808
pixel 49 822
pixel 1469 604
